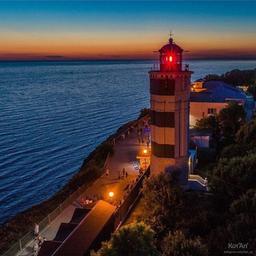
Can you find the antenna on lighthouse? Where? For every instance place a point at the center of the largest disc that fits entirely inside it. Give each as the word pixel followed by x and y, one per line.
pixel 171 37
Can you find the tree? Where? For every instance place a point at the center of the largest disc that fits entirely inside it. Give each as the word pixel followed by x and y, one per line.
pixel 212 77
pixel 168 207
pixel 130 240
pixel 235 77
pixel 162 202
pixel 209 122
pixel 231 119
pixel 247 133
pixel 144 112
pixel 233 177
pixel 176 244
pixel 242 227
pixel 235 150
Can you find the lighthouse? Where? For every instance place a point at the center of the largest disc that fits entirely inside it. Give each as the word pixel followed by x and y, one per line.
pixel 169 101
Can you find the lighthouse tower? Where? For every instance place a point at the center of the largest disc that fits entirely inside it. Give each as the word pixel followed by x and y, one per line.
pixel 169 99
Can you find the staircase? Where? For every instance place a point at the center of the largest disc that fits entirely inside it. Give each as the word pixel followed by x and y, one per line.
pixel 196 182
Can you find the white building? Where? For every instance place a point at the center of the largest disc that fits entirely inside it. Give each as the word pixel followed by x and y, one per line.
pixel 208 98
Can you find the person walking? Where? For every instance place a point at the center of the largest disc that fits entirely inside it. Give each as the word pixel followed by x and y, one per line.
pixel 36 230
pixel 36 247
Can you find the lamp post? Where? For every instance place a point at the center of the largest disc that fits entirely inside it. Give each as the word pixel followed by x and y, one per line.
pixel 111 195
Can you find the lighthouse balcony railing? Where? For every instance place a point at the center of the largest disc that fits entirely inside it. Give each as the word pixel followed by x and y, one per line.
pixel 156 67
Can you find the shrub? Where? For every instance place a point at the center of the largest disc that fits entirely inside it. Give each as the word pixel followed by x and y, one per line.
pixel 176 244
pixel 130 240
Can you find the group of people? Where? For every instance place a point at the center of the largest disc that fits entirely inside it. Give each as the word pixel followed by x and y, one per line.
pixel 143 133
pixel 87 200
pixel 84 201
pixel 123 174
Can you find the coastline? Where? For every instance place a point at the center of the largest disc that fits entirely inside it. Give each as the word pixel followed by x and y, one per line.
pixel 91 169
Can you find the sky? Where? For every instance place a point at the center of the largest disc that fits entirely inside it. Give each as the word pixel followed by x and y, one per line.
pixel 133 29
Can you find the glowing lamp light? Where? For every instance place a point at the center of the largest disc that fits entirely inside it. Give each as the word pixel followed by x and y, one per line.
pixel 145 151
pixel 111 194
pixel 170 58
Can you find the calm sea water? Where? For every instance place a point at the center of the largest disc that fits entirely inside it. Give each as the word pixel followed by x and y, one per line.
pixel 53 114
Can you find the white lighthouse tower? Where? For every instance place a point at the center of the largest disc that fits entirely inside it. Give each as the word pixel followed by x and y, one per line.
pixel 169 99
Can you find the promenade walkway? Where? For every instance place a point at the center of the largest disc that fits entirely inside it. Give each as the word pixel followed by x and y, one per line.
pixel 124 157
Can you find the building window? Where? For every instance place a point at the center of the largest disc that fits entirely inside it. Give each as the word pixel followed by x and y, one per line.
pixel 212 111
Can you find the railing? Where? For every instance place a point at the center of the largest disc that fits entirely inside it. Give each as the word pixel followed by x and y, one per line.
pixel 155 67
pixel 198 178
pixel 121 213
pixel 130 199
pixel 22 242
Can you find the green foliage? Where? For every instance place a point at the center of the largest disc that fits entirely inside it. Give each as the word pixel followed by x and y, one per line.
pixel 168 207
pixel 209 122
pixel 144 112
pixel 234 150
pixel 245 142
pixel 232 177
pixel 162 201
pixel 130 240
pixel 247 133
pixel 242 228
pixel 107 148
pixel 236 77
pixel 212 77
pixel 176 244
pixel 240 225
pixel 225 125
pixel 231 119
pixel 245 204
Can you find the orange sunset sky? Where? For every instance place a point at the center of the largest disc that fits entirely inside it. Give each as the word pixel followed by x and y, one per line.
pixel 125 30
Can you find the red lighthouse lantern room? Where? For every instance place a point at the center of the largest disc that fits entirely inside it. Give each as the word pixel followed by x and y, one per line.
pixel 171 57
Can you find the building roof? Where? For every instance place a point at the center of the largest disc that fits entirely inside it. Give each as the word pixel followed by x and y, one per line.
pixel 83 236
pixel 217 91
pixel 171 47
pixel 48 248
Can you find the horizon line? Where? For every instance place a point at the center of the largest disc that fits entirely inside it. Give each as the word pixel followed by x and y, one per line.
pixel 121 59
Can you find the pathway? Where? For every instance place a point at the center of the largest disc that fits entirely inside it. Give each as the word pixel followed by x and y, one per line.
pixel 124 157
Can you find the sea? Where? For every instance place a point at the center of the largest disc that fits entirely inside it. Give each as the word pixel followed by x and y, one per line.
pixel 53 114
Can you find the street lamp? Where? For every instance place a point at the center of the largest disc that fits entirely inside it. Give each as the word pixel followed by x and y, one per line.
pixel 111 194
pixel 145 151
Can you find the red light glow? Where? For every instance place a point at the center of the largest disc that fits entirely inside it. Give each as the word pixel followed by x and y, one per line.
pixel 170 58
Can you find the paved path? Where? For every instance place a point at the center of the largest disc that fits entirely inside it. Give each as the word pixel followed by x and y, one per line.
pixel 124 157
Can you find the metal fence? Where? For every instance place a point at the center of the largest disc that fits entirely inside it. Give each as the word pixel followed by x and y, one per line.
pixel 121 213
pixel 130 199
pixel 22 242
